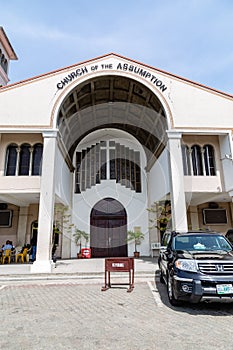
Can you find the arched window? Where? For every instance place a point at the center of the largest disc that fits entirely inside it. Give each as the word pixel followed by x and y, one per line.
pixel 209 160
pixel 11 160
pixel 24 160
pixel 37 159
pixel 197 160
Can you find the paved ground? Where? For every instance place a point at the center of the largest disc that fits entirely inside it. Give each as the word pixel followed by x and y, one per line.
pixel 73 313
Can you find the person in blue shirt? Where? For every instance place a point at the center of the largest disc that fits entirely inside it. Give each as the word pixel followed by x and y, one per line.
pixel 8 245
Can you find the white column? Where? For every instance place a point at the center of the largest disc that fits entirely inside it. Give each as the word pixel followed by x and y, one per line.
pixel 179 214
pixel 203 161
pixel 22 226
pixel 190 161
pixel 43 263
pixel 17 161
pixel 31 160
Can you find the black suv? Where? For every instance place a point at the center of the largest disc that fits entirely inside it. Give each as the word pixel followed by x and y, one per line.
pixel 196 266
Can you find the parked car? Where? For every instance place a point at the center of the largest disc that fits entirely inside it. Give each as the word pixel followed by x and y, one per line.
pixel 196 266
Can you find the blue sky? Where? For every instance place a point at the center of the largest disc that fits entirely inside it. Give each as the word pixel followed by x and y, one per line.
pixel 190 38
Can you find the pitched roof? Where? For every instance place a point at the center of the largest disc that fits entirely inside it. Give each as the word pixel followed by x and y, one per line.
pixel 125 58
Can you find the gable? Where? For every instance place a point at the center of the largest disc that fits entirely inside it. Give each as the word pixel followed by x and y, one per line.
pixel 35 102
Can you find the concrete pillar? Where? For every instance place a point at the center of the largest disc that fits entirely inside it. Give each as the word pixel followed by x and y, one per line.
pixel 194 218
pixel 22 226
pixel 179 214
pixel 43 263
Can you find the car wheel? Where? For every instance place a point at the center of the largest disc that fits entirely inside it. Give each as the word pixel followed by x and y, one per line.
pixel 173 301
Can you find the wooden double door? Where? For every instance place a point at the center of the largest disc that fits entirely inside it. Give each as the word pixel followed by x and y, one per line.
pixel 108 236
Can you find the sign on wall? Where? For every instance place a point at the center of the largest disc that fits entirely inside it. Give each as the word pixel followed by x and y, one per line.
pixel 116 66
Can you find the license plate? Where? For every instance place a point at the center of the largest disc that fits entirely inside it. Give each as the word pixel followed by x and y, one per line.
pixel 224 288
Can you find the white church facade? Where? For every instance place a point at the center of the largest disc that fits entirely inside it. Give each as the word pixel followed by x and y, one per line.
pixel 107 139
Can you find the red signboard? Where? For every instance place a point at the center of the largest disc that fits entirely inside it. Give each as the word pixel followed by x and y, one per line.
pixel 86 253
pixel 119 265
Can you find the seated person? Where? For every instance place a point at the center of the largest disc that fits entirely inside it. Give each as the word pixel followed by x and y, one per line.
pixel 8 245
pixel 25 246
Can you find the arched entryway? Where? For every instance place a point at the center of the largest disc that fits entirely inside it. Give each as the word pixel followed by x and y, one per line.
pixel 108 229
pixel 113 102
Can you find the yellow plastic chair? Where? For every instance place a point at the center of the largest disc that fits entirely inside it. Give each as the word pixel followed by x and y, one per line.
pixel 6 255
pixel 23 256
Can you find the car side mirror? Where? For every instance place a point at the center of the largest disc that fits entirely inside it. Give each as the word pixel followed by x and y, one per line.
pixel 168 253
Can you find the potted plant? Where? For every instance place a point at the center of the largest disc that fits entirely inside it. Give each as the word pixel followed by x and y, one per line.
pixel 79 236
pixel 137 236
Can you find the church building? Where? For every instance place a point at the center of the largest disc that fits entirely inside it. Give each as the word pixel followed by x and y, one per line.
pixel 107 146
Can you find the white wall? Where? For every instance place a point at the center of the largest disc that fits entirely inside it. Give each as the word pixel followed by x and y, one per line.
pixel 159 183
pixel 63 179
pixel 134 203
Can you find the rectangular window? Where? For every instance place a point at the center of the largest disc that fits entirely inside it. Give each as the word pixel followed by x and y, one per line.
pixel 138 172
pixel 118 163
pixel 5 218
pixel 83 170
pixel 88 168
pixel 97 163
pixel 93 175
pixel 127 167
pixel 112 164
pixel 77 175
pixel 122 165
pixel 103 164
pixel 214 216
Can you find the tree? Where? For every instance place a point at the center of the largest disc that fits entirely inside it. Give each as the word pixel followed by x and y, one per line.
pixel 62 224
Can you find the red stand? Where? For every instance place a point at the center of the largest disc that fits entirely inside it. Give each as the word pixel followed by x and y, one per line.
pixel 119 265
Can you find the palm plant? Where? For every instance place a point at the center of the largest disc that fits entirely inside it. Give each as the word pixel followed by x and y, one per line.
pixel 136 236
pixel 79 236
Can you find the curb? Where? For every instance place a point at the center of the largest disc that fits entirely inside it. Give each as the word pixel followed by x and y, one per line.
pixel 80 276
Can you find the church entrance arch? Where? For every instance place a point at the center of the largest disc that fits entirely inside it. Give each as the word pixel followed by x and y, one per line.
pixel 112 102
pixel 108 233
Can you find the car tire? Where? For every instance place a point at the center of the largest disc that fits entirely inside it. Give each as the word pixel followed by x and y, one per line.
pixel 170 292
pixel 161 278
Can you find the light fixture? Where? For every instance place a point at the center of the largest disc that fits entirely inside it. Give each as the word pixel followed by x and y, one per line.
pixel 228 156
